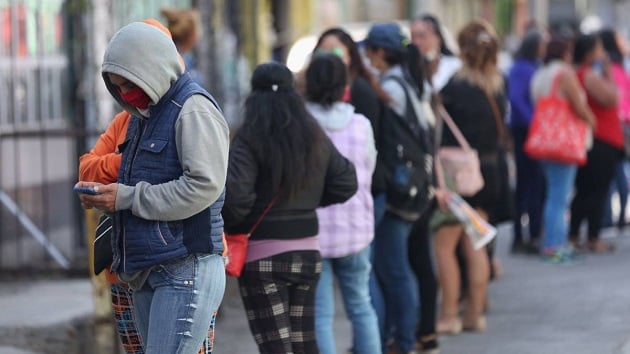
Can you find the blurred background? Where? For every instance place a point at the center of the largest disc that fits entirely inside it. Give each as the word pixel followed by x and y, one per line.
pixel 53 103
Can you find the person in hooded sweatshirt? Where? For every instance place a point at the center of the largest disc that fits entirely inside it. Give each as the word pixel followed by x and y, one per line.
pixel 168 198
pixel 345 230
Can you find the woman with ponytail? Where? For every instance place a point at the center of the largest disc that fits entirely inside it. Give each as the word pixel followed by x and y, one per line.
pixel 476 100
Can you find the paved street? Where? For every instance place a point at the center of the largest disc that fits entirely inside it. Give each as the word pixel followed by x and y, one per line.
pixel 535 308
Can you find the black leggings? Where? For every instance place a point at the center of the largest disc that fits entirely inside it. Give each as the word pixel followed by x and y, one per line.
pixel 421 260
pixel 591 189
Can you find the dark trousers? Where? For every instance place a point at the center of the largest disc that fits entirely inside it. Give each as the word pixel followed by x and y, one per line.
pixel 591 189
pixel 620 185
pixel 421 259
pixel 530 189
pixel 278 293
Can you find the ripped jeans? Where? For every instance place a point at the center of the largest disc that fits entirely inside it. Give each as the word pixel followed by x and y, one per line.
pixel 175 306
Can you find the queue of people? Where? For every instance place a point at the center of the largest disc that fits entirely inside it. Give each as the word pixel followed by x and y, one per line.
pixel 335 169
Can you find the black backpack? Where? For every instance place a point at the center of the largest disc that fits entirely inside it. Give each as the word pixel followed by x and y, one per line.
pixel 406 154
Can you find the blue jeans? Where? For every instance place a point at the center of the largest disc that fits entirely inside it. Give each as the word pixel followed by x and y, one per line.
pixel 397 281
pixel 353 273
pixel 560 180
pixel 175 306
pixel 376 294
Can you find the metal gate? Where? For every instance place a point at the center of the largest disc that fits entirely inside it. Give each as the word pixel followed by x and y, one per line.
pixel 38 228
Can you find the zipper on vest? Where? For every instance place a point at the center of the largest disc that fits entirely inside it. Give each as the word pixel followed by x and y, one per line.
pixel 157 223
pixel 136 148
pixel 124 255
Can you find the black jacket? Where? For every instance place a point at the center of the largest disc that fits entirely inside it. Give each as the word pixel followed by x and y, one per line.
pixel 405 152
pixel 249 191
pixel 365 101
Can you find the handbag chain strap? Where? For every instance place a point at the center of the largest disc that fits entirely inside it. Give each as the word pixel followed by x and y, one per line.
pixel 264 213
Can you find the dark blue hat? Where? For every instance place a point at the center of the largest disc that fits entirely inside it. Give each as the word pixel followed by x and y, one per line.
pixel 386 35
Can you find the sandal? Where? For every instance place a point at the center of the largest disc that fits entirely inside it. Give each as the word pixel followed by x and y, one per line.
pixel 601 246
pixel 475 324
pixel 451 325
pixel 474 321
pixel 428 344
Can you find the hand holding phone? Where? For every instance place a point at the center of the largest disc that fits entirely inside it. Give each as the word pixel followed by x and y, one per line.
pixel 86 190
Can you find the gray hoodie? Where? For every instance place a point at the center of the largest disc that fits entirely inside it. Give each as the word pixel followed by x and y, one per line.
pixel 147 57
pixel 337 117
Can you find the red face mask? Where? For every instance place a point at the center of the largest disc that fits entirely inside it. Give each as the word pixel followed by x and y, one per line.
pixel 135 97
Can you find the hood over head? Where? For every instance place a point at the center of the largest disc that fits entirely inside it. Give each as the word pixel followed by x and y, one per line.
pixel 144 55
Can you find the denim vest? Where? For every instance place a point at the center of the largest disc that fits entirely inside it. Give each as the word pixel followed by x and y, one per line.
pixel 150 155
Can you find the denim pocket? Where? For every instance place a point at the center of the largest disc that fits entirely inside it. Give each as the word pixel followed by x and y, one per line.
pixel 180 270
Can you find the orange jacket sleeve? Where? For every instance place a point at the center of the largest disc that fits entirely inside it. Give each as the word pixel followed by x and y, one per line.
pixel 102 163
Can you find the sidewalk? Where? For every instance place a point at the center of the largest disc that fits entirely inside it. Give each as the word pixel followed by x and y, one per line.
pixel 45 316
pixel 553 309
pixel 534 308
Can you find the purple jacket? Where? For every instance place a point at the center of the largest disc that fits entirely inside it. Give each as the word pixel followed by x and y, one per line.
pixel 347 228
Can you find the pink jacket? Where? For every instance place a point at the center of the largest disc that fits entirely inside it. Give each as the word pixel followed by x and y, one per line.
pixel 623 84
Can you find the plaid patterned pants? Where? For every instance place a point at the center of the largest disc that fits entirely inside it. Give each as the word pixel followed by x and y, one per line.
pixel 278 293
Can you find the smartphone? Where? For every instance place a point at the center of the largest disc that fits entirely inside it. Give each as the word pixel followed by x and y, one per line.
pixel 86 190
pixel 598 67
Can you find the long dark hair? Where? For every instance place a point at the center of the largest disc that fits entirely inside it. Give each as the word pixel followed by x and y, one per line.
pixel 609 40
pixel 326 79
pixel 557 48
pixel 286 139
pixel 435 24
pixel 413 64
pixel 584 44
pixel 528 50
pixel 356 68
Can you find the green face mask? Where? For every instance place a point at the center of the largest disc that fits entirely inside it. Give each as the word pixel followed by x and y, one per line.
pixel 336 51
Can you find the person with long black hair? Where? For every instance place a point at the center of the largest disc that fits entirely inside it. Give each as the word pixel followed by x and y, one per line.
pixel 406 152
pixel 366 95
pixel 369 99
pixel 427 34
pixel 282 160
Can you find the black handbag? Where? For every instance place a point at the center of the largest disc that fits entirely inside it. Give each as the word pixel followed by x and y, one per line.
pixel 103 254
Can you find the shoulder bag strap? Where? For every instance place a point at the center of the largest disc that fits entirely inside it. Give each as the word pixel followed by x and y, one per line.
pixel 461 140
pixel 409 107
pixel 497 116
pixel 264 213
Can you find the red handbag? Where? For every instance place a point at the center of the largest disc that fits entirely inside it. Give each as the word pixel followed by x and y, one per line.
pixel 556 133
pixel 237 246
